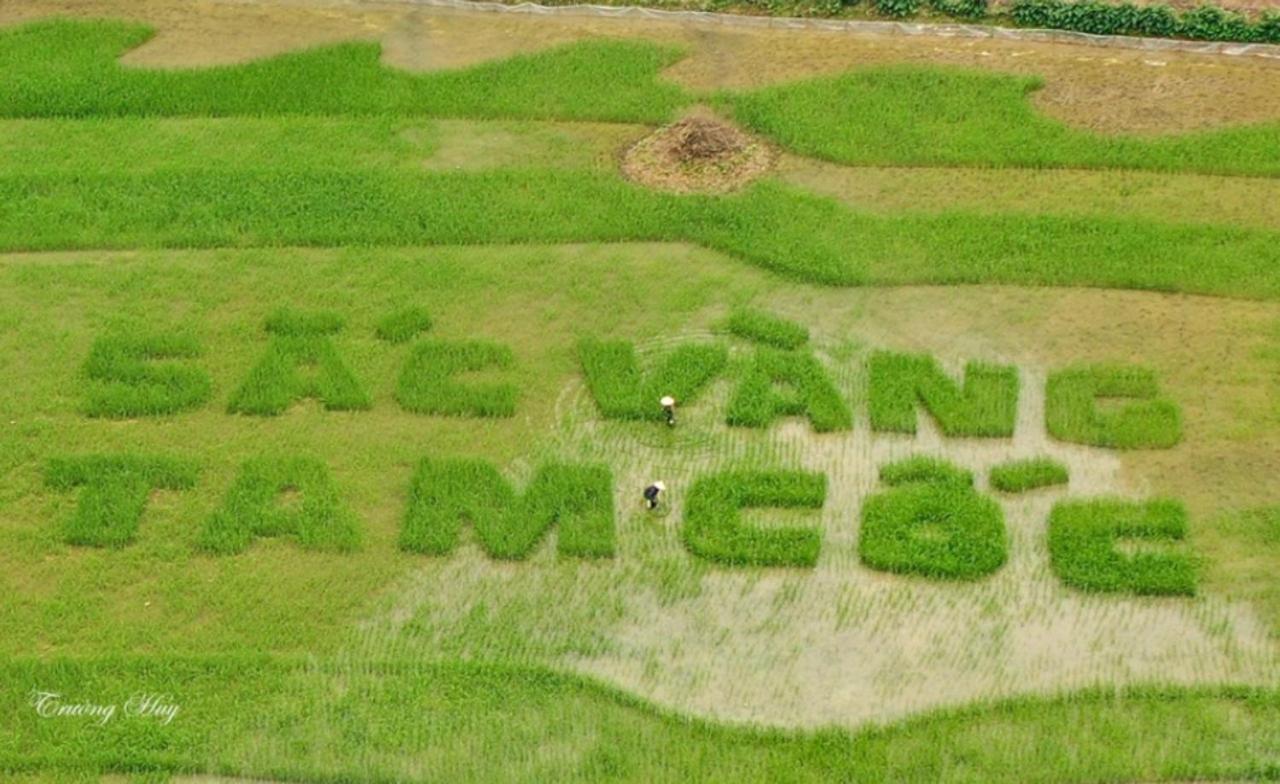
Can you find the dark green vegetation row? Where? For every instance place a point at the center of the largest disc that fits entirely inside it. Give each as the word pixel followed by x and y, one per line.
pixel 799 236
pixel 278 718
pixel 1205 22
pixel 931 523
pixel 882 116
pixel 148 373
pixel 921 116
pixel 1019 476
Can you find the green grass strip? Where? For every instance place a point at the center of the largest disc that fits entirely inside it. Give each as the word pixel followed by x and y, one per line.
pixel 1019 476
pixel 115 491
pixel 403 325
pixel 714 529
pixel 1083 537
pixel 929 470
pixel 261 717
pixel 904 115
pixel 64 68
pixel 761 327
pixel 803 237
pixel 922 116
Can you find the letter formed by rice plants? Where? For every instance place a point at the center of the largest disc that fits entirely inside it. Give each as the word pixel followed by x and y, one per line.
pixel 809 392
pixel 114 494
pixel 1019 476
pixel 427 384
pixel 714 530
pixel 137 375
pixel 1072 412
pixel 984 405
pixel 932 523
pixel 622 391
pixel 760 327
pixel 445 493
pixel 301 361
pixel 282 496
pixel 1082 547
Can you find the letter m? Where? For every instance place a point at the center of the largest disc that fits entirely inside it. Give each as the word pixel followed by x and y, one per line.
pixel 448 493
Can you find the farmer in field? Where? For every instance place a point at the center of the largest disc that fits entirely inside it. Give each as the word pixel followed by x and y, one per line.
pixel 651 494
pixel 669 409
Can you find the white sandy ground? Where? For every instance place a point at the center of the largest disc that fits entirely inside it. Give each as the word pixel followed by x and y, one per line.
pixel 840 644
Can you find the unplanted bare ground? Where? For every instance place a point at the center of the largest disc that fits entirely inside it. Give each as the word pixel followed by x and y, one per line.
pixel 1104 89
pixel 1175 198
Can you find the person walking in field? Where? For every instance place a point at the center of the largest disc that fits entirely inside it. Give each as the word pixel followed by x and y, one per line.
pixel 669 409
pixel 651 495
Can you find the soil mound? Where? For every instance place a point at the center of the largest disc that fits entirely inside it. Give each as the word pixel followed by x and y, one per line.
pixel 700 153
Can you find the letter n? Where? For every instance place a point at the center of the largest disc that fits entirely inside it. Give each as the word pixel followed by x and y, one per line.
pixel 985 404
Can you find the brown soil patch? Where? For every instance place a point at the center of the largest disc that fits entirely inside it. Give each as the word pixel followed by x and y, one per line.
pixel 1160 196
pixel 699 153
pixel 1108 90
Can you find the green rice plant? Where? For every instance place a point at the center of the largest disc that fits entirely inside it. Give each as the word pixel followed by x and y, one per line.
pixel 766 328
pixel 403 325
pixel 576 498
pixel 406 720
pixel 623 391
pixel 1019 476
pixel 135 375
pixel 427 384
pixel 1082 547
pixel 985 404
pixel 911 115
pixel 70 68
pixel 1078 409
pixel 282 496
pixel 928 470
pixel 796 235
pixel 301 323
pixel 809 392
pixel 115 492
pixel 932 524
pixel 299 341
pixel 713 526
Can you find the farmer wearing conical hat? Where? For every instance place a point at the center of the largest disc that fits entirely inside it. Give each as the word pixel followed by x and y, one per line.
pixel 669 408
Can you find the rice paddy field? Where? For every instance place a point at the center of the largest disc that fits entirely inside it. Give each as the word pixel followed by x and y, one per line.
pixel 333 337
